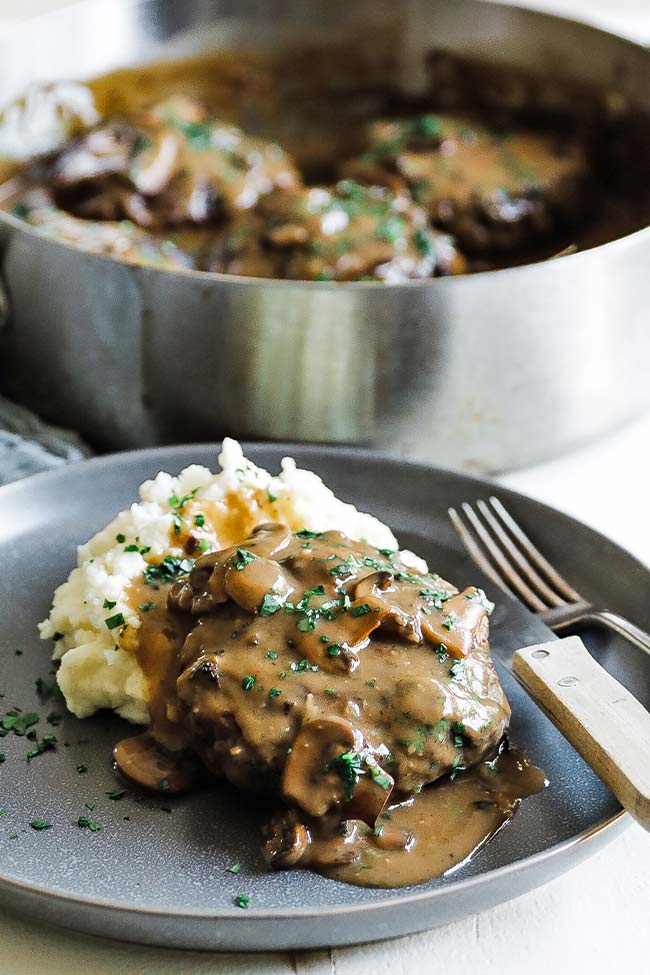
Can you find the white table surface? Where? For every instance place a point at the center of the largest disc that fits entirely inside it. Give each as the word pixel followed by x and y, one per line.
pixel 594 919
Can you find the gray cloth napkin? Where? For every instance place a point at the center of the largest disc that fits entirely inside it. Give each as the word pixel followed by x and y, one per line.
pixel 28 445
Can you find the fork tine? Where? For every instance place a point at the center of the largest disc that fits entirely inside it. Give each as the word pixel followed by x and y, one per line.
pixel 545 591
pixel 533 553
pixel 513 579
pixel 475 551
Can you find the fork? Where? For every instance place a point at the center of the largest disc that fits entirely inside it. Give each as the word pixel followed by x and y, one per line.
pixel 603 721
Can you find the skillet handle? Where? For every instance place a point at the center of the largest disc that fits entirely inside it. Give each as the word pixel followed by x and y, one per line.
pixel 598 716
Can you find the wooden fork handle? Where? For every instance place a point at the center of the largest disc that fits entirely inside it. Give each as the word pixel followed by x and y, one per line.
pixel 599 717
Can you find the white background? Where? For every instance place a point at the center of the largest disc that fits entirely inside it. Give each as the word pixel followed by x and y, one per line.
pixel 595 919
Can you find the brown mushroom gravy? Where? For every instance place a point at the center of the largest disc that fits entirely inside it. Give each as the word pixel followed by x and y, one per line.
pixel 302 166
pixel 339 678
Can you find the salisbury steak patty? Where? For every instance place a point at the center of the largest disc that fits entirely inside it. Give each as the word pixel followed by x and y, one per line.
pixel 346 232
pixel 303 647
pixel 171 164
pixel 333 674
pixel 493 189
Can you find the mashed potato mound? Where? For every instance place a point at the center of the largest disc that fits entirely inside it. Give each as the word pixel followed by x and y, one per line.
pixel 99 668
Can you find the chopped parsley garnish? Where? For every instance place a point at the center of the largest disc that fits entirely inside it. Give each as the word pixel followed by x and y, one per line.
pixel 422 242
pixel 21 210
pixel 442 652
pixel 271 497
pixel 57 636
pixel 179 503
pixel 458 730
pixel 120 538
pixel 436 596
pixel 169 570
pixel 305 533
pixel 392 229
pixel 407 577
pixel 380 777
pixel 275 692
pixel 85 822
pixel 271 654
pixel 242 559
pixel 270 605
pixel 47 743
pixel 334 650
pixel 456 767
pixel 457 670
pixel 114 621
pixel 307 623
pixel 146 607
pixel 303 665
pixel 242 900
pixel 19 723
pixel 426 125
pixel 39 824
pixel 450 621
pixel 316 591
pixel 163 785
pixel 116 793
pixel 248 683
pixel 109 603
pixel 341 571
pixel 199 520
pixel 348 767
pixel 361 610
pixel 235 868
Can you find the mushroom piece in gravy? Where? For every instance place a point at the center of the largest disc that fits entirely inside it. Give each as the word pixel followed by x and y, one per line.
pixel 342 680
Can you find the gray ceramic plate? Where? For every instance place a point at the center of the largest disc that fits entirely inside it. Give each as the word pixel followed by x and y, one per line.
pixel 158 875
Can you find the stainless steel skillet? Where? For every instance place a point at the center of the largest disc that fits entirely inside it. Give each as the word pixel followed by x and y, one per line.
pixel 487 371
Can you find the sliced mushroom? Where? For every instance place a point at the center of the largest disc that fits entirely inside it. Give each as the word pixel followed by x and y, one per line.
pixel 462 623
pixel 204 588
pixel 259 579
pixel 287 840
pixel 103 151
pixel 143 761
pixel 371 793
pixel 328 768
pixel 153 168
pixel 393 838
pixel 310 779
pixel 380 591
pixel 269 539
